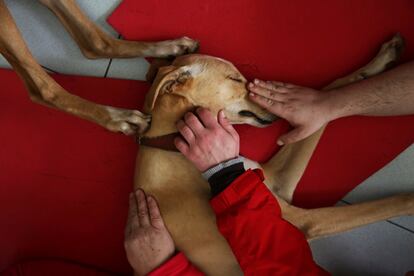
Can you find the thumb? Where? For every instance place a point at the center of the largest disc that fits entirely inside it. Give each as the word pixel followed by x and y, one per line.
pixel 292 136
pixel 224 122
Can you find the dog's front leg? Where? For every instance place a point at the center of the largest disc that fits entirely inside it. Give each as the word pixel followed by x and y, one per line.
pixel 320 222
pixel 44 90
pixel 95 43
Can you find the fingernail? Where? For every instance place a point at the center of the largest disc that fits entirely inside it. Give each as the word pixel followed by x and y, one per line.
pixel 252 94
pixel 256 81
pixel 280 143
pixel 251 85
pixel 139 192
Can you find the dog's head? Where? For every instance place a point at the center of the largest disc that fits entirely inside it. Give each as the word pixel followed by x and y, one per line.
pixel 208 82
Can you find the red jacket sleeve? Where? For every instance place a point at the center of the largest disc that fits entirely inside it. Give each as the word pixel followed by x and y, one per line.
pixel 176 266
pixel 249 217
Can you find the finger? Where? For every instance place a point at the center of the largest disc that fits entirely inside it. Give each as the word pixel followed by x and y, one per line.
pixel 274 85
pixel 277 84
pixel 154 211
pixel 293 136
pixel 226 125
pixel 193 123
pixel 271 85
pixel 132 220
pixel 143 215
pixel 207 118
pixel 186 132
pixel 181 145
pixel 272 106
pixel 268 93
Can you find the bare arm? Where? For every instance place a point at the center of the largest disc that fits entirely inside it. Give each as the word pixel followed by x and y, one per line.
pixel 389 94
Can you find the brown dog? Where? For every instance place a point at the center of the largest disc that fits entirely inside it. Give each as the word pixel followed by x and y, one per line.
pixel 188 82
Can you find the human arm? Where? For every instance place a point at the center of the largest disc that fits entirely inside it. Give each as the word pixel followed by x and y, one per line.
pixel 148 244
pixel 247 213
pixel 388 94
pixel 249 217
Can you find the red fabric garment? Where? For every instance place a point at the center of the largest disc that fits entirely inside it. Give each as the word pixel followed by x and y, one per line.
pixel 176 266
pixel 250 219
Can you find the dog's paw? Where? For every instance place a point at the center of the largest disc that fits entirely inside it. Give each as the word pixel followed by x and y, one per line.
pixel 391 51
pixel 127 121
pixel 185 45
pixel 176 47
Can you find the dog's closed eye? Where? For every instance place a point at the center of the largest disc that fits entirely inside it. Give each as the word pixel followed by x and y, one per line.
pixel 233 78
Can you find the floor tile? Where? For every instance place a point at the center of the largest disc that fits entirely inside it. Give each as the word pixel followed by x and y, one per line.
pixel 376 249
pixel 134 69
pixel 51 44
pixel 4 63
pixel 98 11
pixel 406 221
pixel 397 177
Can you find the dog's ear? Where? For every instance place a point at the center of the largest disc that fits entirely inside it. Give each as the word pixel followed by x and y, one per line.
pixel 155 65
pixel 168 80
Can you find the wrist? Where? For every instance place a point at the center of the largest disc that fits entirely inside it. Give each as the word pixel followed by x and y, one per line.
pixel 222 165
pixel 331 106
pixel 146 269
pixel 223 178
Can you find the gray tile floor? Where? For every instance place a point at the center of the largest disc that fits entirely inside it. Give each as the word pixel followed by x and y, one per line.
pixel 55 49
pixel 384 248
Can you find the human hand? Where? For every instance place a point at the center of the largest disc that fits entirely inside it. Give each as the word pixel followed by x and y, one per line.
pixel 306 109
pixel 207 141
pixel 147 243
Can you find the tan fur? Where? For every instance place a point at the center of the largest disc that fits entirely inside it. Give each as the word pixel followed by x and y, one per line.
pixel 93 43
pixel 191 81
pixel 179 186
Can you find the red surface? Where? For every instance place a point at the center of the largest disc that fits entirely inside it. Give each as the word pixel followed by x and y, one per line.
pixel 52 267
pixel 305 42
pixel 64 181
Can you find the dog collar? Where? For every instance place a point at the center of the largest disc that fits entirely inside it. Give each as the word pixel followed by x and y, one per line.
pixel 164 142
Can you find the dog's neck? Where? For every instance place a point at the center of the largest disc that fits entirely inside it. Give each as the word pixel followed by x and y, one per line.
pixel 165 142
pixel 165 115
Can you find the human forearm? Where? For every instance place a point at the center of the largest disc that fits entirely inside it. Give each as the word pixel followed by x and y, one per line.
pixel 389 94
pixel 223 174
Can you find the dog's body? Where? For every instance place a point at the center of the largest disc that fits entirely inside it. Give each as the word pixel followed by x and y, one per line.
pixel 191 81
pixel 184 195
